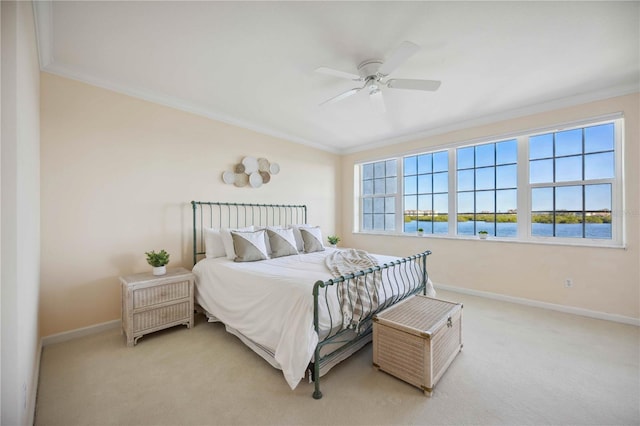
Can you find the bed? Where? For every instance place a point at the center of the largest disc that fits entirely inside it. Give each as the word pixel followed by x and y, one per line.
pixel 301 306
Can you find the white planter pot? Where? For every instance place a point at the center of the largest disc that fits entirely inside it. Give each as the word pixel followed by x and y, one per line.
pixel 483 236
pixel 420 234
pixel 159 270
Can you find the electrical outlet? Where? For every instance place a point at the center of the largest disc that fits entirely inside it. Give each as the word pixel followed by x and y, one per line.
pixel 568 283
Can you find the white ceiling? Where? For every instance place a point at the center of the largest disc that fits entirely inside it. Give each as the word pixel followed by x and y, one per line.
pixel 252 63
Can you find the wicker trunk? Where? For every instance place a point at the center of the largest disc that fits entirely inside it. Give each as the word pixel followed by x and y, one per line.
pixel 417 339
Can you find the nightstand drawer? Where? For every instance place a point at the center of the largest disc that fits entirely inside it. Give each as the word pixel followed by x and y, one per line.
pixel 161 316
pixel 150 296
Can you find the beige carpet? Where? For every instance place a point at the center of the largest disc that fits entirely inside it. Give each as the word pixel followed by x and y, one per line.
pixel 520 366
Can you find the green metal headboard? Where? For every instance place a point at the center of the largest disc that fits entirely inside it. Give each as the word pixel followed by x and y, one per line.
pixel 207 214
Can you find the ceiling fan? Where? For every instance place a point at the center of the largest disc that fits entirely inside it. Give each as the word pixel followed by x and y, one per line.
pixel 373 74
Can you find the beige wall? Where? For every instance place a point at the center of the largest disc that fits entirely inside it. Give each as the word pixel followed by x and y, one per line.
pixel 118 174
pixel 605 280
pixel 20 212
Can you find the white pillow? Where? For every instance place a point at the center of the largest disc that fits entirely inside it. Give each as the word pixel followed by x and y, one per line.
pixel 298 237
pixel 214 247
pixel 281 241
pixel 227 240
pixel 249 246
pixel 312 238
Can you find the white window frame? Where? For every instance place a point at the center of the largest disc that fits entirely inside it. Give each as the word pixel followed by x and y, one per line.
pixel 524 190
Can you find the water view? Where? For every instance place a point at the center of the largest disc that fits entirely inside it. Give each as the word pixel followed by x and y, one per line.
pixel 566 230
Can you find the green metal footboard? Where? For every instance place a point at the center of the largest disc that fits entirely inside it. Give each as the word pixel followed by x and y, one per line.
pixel 405 277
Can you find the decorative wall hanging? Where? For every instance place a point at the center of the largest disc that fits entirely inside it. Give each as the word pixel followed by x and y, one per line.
pixel 251 171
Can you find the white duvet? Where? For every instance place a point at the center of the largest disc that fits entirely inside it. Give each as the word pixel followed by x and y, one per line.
pixel 270 302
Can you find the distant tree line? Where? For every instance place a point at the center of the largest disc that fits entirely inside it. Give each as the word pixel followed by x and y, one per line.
pixel 563 218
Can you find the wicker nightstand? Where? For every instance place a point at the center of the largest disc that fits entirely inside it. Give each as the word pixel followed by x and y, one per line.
pixel 151 303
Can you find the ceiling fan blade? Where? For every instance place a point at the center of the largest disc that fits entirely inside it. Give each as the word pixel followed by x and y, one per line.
pixel 337 73
pixel 377 101
pixel 341 96
pixel 397 57
pixel 429 85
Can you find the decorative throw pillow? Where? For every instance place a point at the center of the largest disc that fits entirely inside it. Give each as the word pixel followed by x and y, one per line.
pixel 227 240
pixel 312 238
pixel 214 247
pixel 298 236
pixel 282 242
pixel 249 246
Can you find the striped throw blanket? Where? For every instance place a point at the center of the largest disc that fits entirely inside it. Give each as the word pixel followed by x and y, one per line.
pixel 359 296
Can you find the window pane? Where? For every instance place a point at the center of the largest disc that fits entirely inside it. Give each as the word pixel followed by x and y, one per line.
pixel 367 222
pixel 411 165
pixel 568 198
pixel 390 205
pixel 598 166
pixel 367 205
pixel 507 176
pixel 367 187
pixel 410 203
pixel 379 186
pixel 541 146
pixel 427 226
pixel 411 185
pixel 485 178
pixel 507 201
pixel 598 138
pixel 424 184
pixel 466 225
pixel 441 161
pixel 441 224
pixel 466 180
pixel 568 225
pixel 597 198
pixel 390 185
pixel 378 205
pixel 569 168
pixel 389 222
pixel 441 182
pixel 367 171
pixel 379 169
pixel 541 171
pixel 542 199
pixel 424 204
pixel 391 168
pixel 485 155
pixel 466 202
pixel 507 152
pixel 465 157
pixel 441 203
pixel 485 202
pixel 506 225
pixel 424 163
pixel 486 226
pixel 378 222
pixel 569 142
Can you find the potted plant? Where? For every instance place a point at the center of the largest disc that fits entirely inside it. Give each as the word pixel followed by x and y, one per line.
pixel 483 235
pixel 420 232
pixel 333 240
pixel 158 261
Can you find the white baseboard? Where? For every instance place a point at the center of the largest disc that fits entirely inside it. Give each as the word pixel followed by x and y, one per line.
pixel 544 305
pixel 80 332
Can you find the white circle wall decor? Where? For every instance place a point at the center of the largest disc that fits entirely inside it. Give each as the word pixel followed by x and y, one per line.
pixel 251 172
pixel 250 165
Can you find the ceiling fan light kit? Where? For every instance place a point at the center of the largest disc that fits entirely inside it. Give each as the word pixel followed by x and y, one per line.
pixel 373 72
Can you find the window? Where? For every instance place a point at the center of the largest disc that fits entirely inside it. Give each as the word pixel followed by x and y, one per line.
pixel 426 193
pixel 487 178
pixel 572 177
pixel 549 185
pixel 379 189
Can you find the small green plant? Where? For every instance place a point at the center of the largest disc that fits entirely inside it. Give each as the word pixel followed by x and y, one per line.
pixel 333 239
pixel 482 232
pixel 420 230
pixel 157 259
